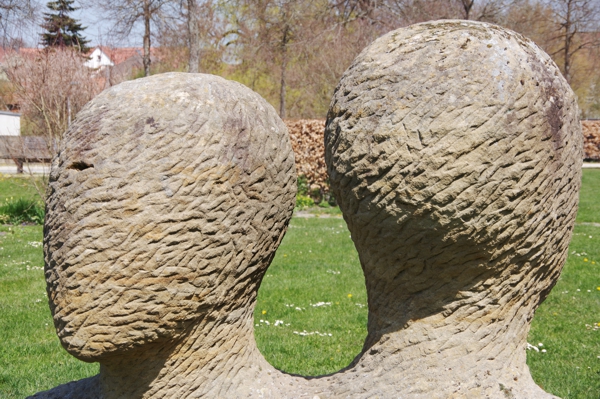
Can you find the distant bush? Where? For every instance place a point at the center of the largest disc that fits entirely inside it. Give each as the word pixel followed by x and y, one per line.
pixel 21 210
pixel 304 201
pixel 302 183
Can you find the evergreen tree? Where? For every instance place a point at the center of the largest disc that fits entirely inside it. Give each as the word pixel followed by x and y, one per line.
pixel 61 29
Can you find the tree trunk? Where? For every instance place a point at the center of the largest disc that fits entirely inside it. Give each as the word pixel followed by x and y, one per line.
pixel 147 15
pixel 193 36
pixel 282 87
pixel 568 37
pixel 467 5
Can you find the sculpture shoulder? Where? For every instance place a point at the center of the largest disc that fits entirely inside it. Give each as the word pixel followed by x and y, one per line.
pixel 87 388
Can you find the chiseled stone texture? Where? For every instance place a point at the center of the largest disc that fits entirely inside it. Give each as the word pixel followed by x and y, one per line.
pixel 454 149
pixel 167 202
pixel 455 152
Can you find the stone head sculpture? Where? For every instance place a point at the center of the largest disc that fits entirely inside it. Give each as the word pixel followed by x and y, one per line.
pixel 454 150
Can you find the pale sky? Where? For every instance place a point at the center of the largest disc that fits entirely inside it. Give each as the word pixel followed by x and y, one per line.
pixel 98 30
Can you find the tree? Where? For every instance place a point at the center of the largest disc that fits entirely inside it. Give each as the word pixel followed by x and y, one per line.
pixel 193 36
pixel 274 32
pixel 413 11
pixel 51 87
pixel 15 16
pixel 577 26
pixel 126 14
pixel 61 29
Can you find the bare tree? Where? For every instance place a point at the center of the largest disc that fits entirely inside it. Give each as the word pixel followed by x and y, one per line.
pixel 51 86
pixel 16 15
pixel 272 30
pixel 193 35
pixel 407 12
pixel 127 14
pixel 413 11
pixel 351 10
pixel 467 6
pixel 577 26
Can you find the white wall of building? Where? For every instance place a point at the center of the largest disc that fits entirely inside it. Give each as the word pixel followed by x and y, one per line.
pixel 10 124
pixel 98 59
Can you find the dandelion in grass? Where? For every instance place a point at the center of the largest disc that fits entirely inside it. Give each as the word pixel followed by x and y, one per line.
pixel 264 312
pixel 350 295
pixel 585 259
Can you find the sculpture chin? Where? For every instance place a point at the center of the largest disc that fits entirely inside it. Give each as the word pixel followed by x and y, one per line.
pixel 88 344
pixel 109 320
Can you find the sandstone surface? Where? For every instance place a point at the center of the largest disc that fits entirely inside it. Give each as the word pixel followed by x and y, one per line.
pixel 455 151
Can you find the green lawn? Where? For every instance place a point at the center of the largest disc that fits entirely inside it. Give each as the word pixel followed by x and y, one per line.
pixel 315 288
pixel 12 186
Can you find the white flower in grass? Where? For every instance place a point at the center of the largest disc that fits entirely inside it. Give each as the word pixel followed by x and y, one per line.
pixel 535 348
pixel 319 304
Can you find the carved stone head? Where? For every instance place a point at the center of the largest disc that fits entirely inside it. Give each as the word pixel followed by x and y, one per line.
pixel 166 203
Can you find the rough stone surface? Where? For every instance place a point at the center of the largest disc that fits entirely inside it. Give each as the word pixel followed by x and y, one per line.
pixel 455 151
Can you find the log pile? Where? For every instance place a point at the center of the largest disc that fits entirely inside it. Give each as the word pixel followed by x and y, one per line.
pixel 591 140
pixel 306 136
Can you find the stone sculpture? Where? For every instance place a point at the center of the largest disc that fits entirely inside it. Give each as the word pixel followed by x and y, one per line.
pixel 454 150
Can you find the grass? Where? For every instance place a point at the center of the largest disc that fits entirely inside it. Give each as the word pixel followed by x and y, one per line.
pixel 12 186
pixel 315 285
pixel 315 265
pixel 20 201
pixel 31 358
pixel 568 322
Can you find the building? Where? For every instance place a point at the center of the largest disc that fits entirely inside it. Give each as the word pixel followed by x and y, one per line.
pixel 10 124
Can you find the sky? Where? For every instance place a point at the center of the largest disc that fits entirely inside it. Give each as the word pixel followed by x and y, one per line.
pixel 98 30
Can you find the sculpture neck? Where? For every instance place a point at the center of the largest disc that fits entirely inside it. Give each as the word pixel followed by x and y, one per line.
pixel 183 367
pixel 438 303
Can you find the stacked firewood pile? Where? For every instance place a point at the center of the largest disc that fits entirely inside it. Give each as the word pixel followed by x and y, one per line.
pixel 306 136
pixel 591 140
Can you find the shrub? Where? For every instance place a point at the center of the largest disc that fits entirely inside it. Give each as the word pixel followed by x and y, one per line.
pixel 304 201
pixel 21 210
pixel 302 183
